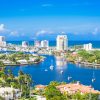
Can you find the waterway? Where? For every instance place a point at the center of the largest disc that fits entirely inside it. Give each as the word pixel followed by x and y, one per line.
pixel 42 74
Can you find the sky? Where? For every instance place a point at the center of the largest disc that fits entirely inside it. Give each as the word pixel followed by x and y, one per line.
pixel 45 19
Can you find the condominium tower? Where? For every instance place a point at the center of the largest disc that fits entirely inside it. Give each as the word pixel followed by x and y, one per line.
pixel 44 43
pixel 24 44
pixel 62 42
pixel 2 41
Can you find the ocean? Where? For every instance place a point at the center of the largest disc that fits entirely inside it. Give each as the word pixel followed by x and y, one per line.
pixel 96 44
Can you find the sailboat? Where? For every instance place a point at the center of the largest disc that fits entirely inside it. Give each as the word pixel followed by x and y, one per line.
pixel 93 79
pixel 61 71
pixel 51 67
pixel 69 77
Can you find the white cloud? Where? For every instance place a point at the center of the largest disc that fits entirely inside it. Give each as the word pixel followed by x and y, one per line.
pixel 14 33
pixel 42 32
pixel 47 5
pixel 2 27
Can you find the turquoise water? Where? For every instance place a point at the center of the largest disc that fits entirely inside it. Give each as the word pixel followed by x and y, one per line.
pixel 41 73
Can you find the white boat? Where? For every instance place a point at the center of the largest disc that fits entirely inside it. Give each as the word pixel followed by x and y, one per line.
pixel 61 71
pixel 51 67
pixel 69 78
pixel 93 79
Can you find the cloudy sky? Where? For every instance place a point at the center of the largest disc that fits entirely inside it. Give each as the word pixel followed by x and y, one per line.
pixel 45 19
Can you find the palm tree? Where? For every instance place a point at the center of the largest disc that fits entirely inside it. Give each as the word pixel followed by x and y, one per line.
pixel 28 79
pixel 20 73
pixel 1 64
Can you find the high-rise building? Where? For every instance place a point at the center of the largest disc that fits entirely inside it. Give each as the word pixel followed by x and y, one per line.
pixel 37 44
pixel 62 42
pixel 87 47
pixel 2 41
pixel 2 38
pixel 24 44
pixel 44 43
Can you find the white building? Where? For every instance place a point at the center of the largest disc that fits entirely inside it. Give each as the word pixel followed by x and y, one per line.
pixel 2 41
pixel 9 93
pixel 37 44
pixel 2 38
pixel 45 43
pixel 87 47
pixel 24 44
pixel 62 42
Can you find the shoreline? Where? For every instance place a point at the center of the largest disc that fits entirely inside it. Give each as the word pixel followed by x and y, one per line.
pixel 23 63
pixel 86 64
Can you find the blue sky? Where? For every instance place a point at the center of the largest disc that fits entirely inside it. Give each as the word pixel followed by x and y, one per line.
pixel 45 19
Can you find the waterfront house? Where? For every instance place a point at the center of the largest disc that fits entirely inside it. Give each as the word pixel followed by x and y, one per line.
pixel 23 61
pixel 76 87
pixel 40 87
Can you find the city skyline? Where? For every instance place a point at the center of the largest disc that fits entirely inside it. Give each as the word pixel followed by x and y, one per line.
pixel 29 20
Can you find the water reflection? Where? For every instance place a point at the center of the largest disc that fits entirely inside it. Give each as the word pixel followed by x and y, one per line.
pixel 61 62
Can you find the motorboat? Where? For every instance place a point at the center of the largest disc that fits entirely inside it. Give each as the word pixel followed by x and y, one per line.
pixel 51 67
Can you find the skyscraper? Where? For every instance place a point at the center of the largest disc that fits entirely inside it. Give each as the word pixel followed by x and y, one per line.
pixel 24 44
pixel 37 43
pixel 62 42
pixel 45 43
pixel 87 47
pixel 2 41
pixel 2 38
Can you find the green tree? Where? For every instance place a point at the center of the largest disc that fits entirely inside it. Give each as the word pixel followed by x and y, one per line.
pixel 1 64
pixel 52 93
pixel 54 83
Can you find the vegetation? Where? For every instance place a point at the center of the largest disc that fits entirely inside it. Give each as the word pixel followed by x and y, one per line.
pixel 13 58
pixel 84 56
pixel 22 82
pixel 92 57
pixel 1 98
pixel 52 93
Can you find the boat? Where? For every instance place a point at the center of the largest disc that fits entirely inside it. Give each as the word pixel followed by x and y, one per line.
pixel 61 71
pixel 51 67
pixel 69 77
pixel 93 79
